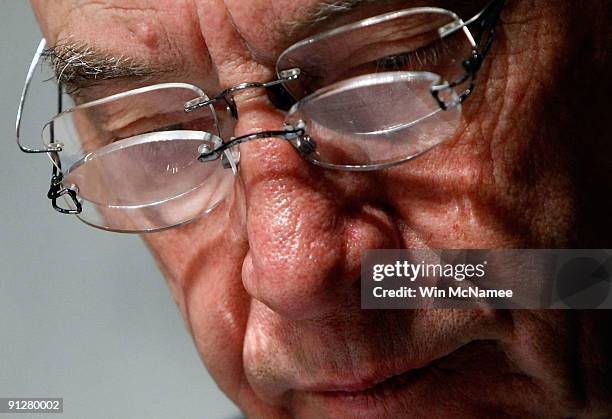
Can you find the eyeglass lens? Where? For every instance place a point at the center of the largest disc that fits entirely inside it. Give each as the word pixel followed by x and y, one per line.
pixel 364 99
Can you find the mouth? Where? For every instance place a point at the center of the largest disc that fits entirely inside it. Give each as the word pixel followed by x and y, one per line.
pixel 388 397
pixel 388 393
pixel 379 390
pixel 347 378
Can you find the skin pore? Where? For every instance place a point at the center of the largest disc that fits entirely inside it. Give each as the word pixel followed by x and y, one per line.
pixel 268 283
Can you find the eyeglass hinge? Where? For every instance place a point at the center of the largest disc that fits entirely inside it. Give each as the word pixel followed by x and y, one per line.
pixel 294 132
pixel 472 64
pixel 435 92
pixel 304 143
pixel 56 190
pixel 446 30
pixel 196 104
pixel 290 74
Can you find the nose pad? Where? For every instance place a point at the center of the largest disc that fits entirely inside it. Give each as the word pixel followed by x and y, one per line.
pixel 305 145
pixel 231 159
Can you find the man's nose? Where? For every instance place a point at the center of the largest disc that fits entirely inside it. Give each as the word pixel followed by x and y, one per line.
pixel 307 226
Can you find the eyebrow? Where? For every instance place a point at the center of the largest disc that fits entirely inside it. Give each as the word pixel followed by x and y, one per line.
pixel 79 65
pixel 323 11
pixel 327 10
pixel 330 8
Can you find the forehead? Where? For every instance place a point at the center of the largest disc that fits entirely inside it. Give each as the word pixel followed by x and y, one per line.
pixel 266 25
pixel 183 40
pixel 131 28
pixel 150 23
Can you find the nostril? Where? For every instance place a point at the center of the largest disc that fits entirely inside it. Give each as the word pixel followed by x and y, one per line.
pixel 305 247
pixel 300 291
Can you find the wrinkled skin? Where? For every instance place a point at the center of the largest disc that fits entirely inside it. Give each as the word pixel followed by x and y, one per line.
pixel 268 283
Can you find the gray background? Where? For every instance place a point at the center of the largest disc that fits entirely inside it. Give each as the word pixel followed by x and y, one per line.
pixel 84 314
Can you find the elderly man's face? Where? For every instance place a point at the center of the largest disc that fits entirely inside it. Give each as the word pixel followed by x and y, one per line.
pixel 268 283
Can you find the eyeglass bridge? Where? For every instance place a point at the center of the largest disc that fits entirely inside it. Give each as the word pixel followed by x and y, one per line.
pixel 227 95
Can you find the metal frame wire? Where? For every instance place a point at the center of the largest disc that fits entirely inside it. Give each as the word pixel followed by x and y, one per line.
pixel 485 21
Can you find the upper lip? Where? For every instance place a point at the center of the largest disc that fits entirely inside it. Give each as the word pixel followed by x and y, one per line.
pixel 344 364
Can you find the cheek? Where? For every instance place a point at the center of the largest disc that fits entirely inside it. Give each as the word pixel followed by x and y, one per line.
pixel 440 197
pixel 202 263
pixel 504 181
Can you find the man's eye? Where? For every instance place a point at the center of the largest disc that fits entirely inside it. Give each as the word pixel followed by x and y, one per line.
pixel 174 127
pixel 439 57
pixel 149 125
pixel 393 62
pixel 427 58
pixel 122 136
pixel 196 125
pixel 413 60
pixel 435 57
pixel 403 61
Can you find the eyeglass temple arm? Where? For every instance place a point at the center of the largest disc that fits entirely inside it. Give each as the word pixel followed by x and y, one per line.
pixel 226 95
pixel 56 189
pixel 486 20
pixel 26 87
pixel 289 133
